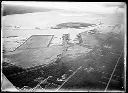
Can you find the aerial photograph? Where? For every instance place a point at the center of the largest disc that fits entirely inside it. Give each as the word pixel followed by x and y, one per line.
pixel 63 46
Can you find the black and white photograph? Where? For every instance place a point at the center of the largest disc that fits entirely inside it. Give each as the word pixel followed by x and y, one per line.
pixel 63 46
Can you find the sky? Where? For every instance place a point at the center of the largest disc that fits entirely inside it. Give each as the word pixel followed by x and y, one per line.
pixel 75 12
pixel 96 7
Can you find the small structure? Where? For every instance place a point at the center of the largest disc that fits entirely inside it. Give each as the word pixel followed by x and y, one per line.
pixel 37 28
pixel 65 42
pixel 79 38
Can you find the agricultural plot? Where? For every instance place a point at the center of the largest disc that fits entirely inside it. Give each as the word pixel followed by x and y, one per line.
pixel 33 57
pixel 38 41
pixel 34 52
